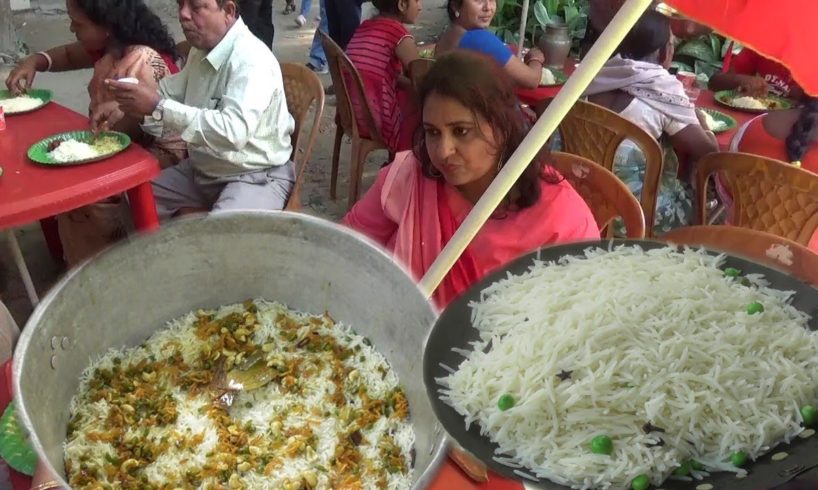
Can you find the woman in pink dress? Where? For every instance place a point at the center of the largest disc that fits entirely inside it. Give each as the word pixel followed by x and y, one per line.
pixel 381 49
pixel 470 127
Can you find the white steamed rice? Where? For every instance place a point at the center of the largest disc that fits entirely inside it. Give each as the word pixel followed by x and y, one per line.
pixel 72 150
pixel 547 77
pixel 660 337
pixel 21 103
pixel 747 102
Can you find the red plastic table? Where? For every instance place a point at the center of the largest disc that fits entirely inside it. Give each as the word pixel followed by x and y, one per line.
pixel 535 96
pixel 30 192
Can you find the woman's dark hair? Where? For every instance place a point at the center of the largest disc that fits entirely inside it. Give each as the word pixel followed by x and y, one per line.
pixel 386 6
pixel 802 134
pixel 481 85
pixel 131 22
pixel 650 34
pixel 451 8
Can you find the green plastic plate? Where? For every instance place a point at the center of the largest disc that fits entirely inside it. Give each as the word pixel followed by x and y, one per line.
pixel 43 95
pixel 14 447
pixel 559 77
pixel 773 102
pixel 38 152
pixel 729 122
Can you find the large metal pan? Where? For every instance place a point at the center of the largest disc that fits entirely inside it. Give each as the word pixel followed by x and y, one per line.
pixel 125 294
pixel 453 329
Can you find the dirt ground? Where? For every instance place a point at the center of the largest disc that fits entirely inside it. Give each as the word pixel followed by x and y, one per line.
pixel 46 26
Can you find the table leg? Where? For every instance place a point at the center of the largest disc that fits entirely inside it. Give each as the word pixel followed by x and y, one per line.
pixel 143 207
pixel 21 266
pixel 51 233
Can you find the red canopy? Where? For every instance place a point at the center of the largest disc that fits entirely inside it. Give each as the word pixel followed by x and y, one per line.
pixel 783 30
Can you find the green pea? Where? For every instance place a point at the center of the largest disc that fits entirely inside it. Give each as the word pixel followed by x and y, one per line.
pixel 738 458
pixel 683 469
pixel 732 272
pixel 641 482
pixel 809 414
pixel 505 402
pixel 755 307
pixel 601 445
pixel 696 465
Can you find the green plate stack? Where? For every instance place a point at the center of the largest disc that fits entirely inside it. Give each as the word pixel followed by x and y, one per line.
pixel 39 151
pixel 43 95
pixel 729 122
pixel 14 447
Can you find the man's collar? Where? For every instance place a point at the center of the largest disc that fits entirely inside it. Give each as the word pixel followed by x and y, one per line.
pixel 219 54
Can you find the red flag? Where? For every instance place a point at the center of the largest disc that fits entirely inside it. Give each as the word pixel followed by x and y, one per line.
pixel 783 30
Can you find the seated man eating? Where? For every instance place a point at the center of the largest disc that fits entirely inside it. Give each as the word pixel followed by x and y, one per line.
pixel 228 105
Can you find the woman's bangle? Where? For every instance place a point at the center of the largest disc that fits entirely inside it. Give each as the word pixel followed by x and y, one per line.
pixel 48 59
pixel 47 485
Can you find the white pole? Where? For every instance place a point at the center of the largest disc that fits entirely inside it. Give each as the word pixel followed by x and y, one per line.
pixel 536 139
pixel 522 29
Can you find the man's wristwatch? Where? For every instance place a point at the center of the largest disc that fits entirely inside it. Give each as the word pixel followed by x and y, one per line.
pixel 159 110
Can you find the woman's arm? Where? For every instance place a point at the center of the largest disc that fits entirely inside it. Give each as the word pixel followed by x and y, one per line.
pixel 62 58
pixel 528 74
pixel 751 84
pixel 67 57
pixel 695 142
pixel 407 52
pixel 367 216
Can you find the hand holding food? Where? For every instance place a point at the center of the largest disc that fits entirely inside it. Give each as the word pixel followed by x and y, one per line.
pixel 21 77
pixel 105 115
pixel 134 99
pixel 753 86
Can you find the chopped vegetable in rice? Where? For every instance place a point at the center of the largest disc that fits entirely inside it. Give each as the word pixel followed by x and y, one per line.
pixel 623 368
pixel 251 396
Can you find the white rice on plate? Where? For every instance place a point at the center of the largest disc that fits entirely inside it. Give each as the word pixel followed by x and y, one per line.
pixel 331 413
pixel 712 123
pixel 747 102
pixel 72 150
pixel 20 103
pixel 654 349
pixel 547 77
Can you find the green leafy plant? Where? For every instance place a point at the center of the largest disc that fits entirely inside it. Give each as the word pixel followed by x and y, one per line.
pixel 573 13
pixel 703 55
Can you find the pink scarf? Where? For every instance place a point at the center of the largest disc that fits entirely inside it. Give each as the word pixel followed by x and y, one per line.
pixel 426 223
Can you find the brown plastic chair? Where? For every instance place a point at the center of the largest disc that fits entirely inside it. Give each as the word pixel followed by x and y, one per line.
pixel 595 133
pixel 302 89
pixel 419 68
pixel 766 248
pixel 349 87
pixel 606 195
pixel 768 195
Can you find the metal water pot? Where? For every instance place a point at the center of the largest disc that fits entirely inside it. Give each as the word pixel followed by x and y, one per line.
pixel 555 44
pixel 124 295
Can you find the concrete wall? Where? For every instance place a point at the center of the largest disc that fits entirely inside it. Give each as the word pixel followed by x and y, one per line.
pixel 20 4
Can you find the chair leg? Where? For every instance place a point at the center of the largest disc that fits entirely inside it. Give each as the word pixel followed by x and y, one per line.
pixel 21 267
pixel 336 156
pixel 355 171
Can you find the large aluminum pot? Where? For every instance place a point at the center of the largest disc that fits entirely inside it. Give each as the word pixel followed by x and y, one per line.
pixel 125 294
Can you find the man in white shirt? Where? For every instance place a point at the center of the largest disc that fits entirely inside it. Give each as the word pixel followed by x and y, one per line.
pixel 228 104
